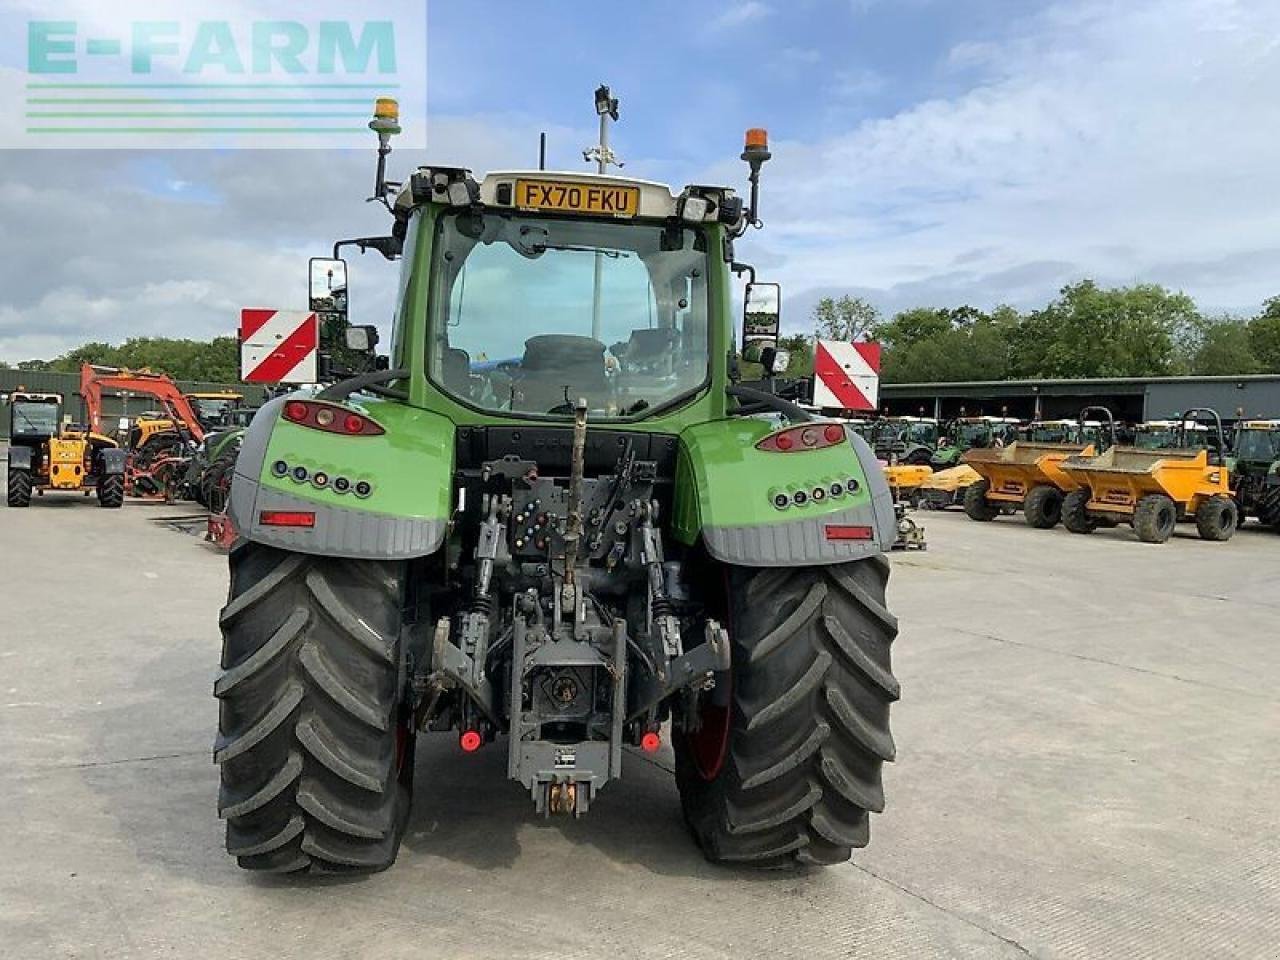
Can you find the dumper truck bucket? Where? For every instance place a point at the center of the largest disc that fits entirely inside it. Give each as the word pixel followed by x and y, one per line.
pixel 1014 471
pixel 1118 478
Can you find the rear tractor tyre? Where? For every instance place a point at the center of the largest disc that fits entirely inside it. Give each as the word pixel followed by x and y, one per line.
pixel 976 505
pixel 1043 507
pixel 315 744
pixel 1268 506
pixel 1155 518
pixel 787 770
pixel 111 491
pixel 19 488
pixel 1217 518
pixel 1075 512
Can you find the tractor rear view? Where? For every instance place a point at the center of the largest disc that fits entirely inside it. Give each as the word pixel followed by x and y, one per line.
pixel 559 533
pixel 46 456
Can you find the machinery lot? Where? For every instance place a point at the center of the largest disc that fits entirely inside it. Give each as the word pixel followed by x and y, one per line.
pixel 1088 767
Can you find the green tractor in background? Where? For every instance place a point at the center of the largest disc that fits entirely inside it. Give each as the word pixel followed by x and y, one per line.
pixel 905 440
pixel 560 525
pixel 1255 471
pixel 966 433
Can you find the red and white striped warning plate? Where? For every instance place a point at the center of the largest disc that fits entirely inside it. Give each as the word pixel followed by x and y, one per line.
pixel 278 346
pixel 846 375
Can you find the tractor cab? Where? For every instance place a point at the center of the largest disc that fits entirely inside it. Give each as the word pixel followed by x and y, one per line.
pixel 1255 470
pixel 34 417
pixel 910 440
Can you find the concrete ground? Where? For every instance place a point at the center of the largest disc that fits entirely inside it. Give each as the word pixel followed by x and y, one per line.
pixel 1089 766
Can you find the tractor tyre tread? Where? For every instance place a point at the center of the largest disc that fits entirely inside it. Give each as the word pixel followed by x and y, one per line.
pixel 1217 518
pixel 1268 506
pixel 1151 518
pixel 314 747
pixel 111 491
pixel 1075 512
pixel 976 505
pixel 1042 507
pixel 19 490
pixel 812 686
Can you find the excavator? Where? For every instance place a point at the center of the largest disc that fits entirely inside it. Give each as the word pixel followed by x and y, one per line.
pixel 156 458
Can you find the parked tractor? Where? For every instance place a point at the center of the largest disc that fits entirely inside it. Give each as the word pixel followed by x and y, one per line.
pixel 566 555
pixel 45 455
pixel 909 440
pixel 1255 471
pixel 1153 488
pixel 969 433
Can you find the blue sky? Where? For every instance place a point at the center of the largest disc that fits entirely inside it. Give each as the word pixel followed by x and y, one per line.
pixel 926 153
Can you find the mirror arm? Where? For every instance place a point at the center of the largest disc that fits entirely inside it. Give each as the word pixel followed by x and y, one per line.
pixel 772 401
pixel 740 268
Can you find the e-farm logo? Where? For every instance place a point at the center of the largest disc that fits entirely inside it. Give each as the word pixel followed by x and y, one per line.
pixel 271 79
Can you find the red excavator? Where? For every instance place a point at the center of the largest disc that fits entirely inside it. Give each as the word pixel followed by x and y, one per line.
pixel 158 445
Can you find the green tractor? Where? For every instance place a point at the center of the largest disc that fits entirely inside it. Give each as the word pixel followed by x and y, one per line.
pixel 967 433
pixel 1255 470
pixel 907 440
pixel 558 524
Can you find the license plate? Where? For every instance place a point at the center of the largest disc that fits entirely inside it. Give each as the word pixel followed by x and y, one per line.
pixel 562 197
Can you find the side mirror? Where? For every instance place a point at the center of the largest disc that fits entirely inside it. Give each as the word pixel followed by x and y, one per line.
pixel 361 339
pixel 327 287
pixel 761 315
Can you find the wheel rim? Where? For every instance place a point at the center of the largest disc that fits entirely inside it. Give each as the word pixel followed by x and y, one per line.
pixel 710 743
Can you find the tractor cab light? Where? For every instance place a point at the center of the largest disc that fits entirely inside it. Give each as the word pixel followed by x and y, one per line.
pixel 470 741
pixel 809 436
pixel 286 518
pixel 331 418
pixel 650 742
pixel 757 139
pixel 843 531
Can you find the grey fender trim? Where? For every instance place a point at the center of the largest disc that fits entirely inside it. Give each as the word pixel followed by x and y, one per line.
pixel 113 460
pixel 253 446
pixel 338 531
pixel 803 541
pixel 19 458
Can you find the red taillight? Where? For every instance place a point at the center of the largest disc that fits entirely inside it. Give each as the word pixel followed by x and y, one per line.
pixel 470 741
pixel 650 742
pixel 840 531
pixel 331 418
pixel 286 518
pixel 809 436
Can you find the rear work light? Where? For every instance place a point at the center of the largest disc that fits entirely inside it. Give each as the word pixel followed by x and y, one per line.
pixel 809 436
pixel 331 418
pixel 286 518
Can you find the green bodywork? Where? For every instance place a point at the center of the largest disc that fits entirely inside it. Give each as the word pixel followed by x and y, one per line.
pixel 721 478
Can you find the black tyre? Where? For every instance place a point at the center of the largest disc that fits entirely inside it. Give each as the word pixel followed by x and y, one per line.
pixel 1075 512
pixel 1155 518
pixel 111 491
pixel 156 446
pixel 788 770
pixel 976 504
pixel 1043 507
pixel 1216 518
pixel 19 488
pixel 1268 506
pixel 215 484
pixel 314 741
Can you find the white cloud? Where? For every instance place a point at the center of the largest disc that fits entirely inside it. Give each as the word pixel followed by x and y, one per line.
pixel 741 13
pixel 1132 142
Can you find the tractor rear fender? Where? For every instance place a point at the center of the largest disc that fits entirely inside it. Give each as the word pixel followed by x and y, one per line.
pixel 112 460
pixel 20 458
pixel 284 469
pixel 761 508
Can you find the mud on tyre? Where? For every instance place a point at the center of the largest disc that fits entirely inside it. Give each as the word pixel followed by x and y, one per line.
pixel 789 770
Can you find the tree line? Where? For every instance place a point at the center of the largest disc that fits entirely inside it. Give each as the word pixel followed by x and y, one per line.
pixel 215 361
pixel 1087 331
